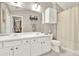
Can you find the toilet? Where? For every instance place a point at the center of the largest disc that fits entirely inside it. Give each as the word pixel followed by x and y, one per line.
pixel 56 45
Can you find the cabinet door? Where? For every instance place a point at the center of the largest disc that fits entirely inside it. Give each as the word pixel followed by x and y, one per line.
pixel 39 42
pixel 19 50
pixel 27 50
pixel 45 45
pixel 26 44
pixel 35 47
pixel 9 51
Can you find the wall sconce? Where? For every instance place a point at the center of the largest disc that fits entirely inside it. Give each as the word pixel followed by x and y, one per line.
pixel 33 17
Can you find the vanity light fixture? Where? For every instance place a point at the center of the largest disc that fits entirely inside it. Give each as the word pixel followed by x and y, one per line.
pixel 36 7
pixel 33 17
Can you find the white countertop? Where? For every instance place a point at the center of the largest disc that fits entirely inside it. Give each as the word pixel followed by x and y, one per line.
pixel 19 37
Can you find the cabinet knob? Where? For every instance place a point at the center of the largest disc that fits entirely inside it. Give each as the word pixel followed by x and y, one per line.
pixel 26 41
pixel 34 40
pixel 11 49
pixel 16 48
pixel 43 42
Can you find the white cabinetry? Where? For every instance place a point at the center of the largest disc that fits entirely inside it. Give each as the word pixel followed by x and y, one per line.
pixel 45 45
pixel 35 47
pixel 40 46
pixel 14 48
pixel 9 51
pixel 50 15
pixel 13 51
pixel 26 44
pixel 20 50
pixel 26 47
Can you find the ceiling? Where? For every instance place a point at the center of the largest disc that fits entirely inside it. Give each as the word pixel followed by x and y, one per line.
pixel 28 6
pixel 44 5
pixel 66 5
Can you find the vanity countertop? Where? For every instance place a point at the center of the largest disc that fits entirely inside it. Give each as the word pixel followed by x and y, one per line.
pixel 19 37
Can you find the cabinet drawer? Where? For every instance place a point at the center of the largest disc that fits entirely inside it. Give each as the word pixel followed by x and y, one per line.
pixel 0 45
pixel 12 43
pixel 27 42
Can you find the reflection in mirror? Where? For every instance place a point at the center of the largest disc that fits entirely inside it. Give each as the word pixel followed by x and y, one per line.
pixel 17 27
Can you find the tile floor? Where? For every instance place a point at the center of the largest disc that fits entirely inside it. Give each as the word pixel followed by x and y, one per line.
pixel 62 53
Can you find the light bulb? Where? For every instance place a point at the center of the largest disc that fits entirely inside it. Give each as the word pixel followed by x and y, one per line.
pixel 36 7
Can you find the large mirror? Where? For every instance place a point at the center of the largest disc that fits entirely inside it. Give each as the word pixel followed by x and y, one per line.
pixel 3 21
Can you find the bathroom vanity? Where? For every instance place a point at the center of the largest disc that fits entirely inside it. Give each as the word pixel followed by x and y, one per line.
pixel 23 44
